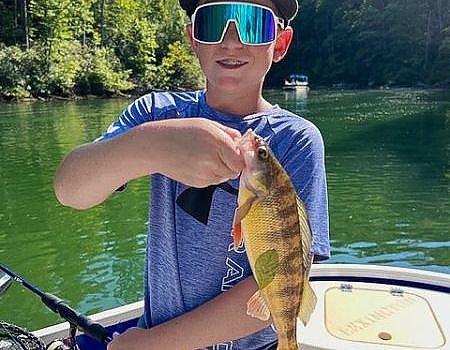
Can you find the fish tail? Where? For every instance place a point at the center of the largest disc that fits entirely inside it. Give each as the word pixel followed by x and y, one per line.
pixel 288 344
pixel 308 302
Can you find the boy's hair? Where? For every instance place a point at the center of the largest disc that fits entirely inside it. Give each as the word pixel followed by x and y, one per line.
pixel 287 9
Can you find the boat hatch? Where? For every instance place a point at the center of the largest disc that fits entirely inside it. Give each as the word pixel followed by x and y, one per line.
pixel 392 317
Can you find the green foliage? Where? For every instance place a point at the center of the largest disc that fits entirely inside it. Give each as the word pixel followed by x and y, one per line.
pixel 101 73
pixel 179 69
pixel 129 32
pixel 7 23
pixel 64 47
pixel 172 26
pixel 22 73
pixel 72 69
pixel 50 19
pixel 65 67
pixel 13 82
pixel 370 42
pixel 67 47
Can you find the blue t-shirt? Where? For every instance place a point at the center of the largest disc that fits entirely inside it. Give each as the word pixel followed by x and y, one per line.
pixel 190 257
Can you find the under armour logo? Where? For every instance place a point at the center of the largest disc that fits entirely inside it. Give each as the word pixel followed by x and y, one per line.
pixel 197 201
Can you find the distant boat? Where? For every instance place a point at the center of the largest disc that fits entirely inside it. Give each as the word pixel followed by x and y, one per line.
pixel 296 82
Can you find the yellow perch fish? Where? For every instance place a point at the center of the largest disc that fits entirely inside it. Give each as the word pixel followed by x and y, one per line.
pixel 272 222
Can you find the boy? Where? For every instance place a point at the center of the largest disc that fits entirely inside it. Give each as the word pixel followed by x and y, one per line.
pixel 188 143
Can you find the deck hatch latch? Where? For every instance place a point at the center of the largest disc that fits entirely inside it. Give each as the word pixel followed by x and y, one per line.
pixel 346 287
pixel 397 292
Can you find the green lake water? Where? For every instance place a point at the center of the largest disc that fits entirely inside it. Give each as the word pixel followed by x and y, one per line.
pixel 388 168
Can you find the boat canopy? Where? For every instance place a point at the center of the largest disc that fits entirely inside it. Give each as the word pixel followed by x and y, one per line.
pixel 300 77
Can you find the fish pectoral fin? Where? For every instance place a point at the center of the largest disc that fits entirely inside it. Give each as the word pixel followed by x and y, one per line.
pixel 243 209
pixel 308 302
pixel 257 307
pixel 239 215
pixel 237 235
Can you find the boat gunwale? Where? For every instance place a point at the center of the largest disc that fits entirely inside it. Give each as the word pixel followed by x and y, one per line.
pixel 398 276
pixel 378 274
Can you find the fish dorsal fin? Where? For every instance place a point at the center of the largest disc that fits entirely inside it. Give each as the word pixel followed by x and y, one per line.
pixel 306 234
pixel 308 299
pixel 308 302
pixel 257 307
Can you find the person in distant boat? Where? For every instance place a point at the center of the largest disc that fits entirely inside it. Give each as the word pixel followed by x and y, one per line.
pixel 196 285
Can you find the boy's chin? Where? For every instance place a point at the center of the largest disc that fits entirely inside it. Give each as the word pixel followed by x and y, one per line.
pixel 230 84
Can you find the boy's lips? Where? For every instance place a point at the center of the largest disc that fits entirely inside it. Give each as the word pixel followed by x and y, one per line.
pixel 231 63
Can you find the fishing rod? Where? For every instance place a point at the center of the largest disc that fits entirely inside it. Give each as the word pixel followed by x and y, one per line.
pixel 59 306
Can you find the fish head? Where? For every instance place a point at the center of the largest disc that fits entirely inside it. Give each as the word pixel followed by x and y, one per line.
pixel 257 173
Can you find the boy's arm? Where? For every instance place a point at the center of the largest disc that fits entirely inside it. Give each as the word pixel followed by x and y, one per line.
pixel 197 152
pixel 220 320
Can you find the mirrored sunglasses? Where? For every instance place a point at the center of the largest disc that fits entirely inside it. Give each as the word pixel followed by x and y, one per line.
pixel 256 24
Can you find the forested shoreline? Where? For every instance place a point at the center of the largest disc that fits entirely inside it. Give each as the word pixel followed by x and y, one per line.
pixel 68 49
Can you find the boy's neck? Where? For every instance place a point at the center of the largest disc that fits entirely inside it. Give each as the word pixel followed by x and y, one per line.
pixel 237 104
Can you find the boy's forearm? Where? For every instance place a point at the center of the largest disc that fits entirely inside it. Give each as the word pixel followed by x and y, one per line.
pixel 220 320
pixel 91 172
pixel 196 152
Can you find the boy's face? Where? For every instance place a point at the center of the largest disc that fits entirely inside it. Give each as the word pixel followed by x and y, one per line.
pixel 233 66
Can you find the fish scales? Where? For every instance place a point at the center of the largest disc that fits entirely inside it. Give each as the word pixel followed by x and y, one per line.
pixel 277 239
pixel 281 222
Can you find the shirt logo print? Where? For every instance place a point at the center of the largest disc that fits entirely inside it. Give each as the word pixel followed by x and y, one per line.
pixel 197 201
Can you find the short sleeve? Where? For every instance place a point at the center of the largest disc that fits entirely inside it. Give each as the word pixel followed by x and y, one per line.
pixel 138 112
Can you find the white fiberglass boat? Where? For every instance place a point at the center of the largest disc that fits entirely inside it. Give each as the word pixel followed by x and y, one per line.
pixel 359 307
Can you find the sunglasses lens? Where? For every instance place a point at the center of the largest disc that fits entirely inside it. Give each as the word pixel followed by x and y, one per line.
pixel 209 23
pixel 256 24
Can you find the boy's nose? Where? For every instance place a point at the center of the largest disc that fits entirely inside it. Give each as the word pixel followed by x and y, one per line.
pixel 231 36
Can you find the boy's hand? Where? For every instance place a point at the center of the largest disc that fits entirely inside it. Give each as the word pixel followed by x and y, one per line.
pixel 199 327
pixel 197 152
pixel 132 338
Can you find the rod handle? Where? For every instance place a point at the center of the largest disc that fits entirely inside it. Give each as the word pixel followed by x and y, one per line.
pixel 83 323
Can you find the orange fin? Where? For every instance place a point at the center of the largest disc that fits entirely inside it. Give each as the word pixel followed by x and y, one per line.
pixel 257 307
pixel 237 235
pixel 239 215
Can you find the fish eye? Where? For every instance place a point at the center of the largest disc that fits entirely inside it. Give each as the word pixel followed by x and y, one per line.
pixel 262 152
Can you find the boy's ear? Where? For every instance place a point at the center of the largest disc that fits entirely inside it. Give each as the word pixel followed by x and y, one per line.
pixel 282 44
pixel 194 44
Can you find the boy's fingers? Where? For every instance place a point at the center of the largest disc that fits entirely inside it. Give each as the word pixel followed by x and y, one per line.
pixel 232 160
pixel 233 133
pixel 228 152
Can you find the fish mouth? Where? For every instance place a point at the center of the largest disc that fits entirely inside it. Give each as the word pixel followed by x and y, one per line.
pixel 247 146
pixel 249 141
